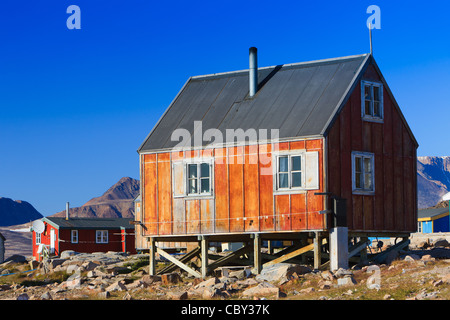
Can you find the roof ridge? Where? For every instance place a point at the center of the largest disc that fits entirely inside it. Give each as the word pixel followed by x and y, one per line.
pixel 282 65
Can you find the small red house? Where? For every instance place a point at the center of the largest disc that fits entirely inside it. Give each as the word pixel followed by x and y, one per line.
pixel 84 235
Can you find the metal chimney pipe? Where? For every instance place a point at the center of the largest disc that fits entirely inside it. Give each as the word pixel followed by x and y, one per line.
pixel 67 210
pixel 253 71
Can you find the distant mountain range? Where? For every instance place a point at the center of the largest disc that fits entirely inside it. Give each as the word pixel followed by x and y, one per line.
pixel 13 212
pixel 433 180
pixel 116 202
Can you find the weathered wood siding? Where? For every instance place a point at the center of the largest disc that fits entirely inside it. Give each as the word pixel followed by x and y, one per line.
pixel 243 198
pixel 393 206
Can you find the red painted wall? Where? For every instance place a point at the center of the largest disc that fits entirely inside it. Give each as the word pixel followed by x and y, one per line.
pixel 393 207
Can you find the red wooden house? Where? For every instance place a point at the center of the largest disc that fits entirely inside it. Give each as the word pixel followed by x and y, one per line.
pixel 84 235
pixel 298 137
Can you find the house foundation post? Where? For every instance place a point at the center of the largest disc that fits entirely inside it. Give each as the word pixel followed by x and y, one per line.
pixel 204 244
pixel 257 258
pixel 317 250
pixel 338 248
pixel 152 251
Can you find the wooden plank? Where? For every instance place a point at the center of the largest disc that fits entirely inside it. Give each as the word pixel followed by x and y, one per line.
pixel 179 183
pixel 313 145
pixel 266 213
pixel 409 182
pixel 230 257
pixel 358 212
pixel 388 165
pixel 282 213
pixel 398 172
pixel 193 216
pixel 236 181
pixel 178 263
pixel 368 212
pixel 164 194
pixel 297 145
pixel 184 259
pixel 334 159
pixel 251 189
pixel 222 223
pixel 346 160
pixel 290 254
pixel 150 215
pixel 298 211
pixel 314 205
pixel 207 216
pixel 179 216
pixel 356 138
pixel 378 206
pixel 388 197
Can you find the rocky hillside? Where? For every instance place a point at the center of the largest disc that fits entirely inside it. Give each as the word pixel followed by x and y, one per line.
pixel 13 212
pixel 116 202
pixel 433 180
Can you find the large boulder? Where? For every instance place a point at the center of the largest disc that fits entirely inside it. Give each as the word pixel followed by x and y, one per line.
pixel 281 272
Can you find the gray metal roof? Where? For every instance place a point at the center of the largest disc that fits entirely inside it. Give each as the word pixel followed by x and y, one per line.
pixel 298 99
pixel 89 223
pixel 430 213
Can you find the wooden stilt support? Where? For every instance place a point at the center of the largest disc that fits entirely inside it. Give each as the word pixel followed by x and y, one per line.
pixel 152 263
pixel 185 259
pixel 257 258
pixel 204 247
pixel 269 247
pixel 178 263
pixel 317 251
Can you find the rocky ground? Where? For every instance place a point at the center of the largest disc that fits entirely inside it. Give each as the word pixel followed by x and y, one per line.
pixel 420 274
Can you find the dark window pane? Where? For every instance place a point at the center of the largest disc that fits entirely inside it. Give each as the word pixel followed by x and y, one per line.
pixel 367 110
pixel 296 179
pixel 283 183
pixel 204 185
pixel 358 166
pixel 296 163
pixel 376 109
pixel 367 92
pixel 358 182
pixel 204 168
pixel 283 165
pixel 192 171
pixel 376 93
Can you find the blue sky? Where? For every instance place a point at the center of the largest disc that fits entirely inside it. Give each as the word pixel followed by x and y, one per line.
pixel 76 104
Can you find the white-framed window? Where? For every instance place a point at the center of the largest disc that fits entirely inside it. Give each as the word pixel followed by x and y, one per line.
pixel 193 177
pixel 38 237
pixel 289 173
pixel 101 236
pixel 198 178
pixel 372 100
pixel 363 172
pixel 74 236
pixel 295 170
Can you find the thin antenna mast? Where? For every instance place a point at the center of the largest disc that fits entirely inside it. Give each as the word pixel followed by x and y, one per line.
pixel 370 38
